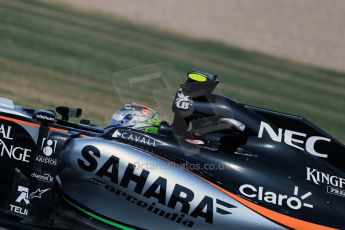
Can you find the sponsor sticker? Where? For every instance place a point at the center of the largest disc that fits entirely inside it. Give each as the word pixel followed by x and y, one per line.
pixel 318 177
pixel 21 202
pixel 48 149
pixel 293 201
pixel 44 177
pixel 335 184
pixel 140 139
pixel 45 117
pixel 183 102
pixel 46 160
pixel 23 197
pixel 335 191
pixel 10 149
pixel 166 197
pixel 38 193
pixel 294 139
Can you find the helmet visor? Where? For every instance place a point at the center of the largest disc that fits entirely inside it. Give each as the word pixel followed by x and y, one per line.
pixel 121 118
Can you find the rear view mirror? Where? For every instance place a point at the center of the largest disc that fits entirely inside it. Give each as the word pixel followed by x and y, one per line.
pixel 67 112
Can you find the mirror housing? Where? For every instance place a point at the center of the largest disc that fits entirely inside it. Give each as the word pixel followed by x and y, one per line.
pixel 67 112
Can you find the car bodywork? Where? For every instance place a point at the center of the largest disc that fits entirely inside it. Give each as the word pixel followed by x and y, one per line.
pixel 256 169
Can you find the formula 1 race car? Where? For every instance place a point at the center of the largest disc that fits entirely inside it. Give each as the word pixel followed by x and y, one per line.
pixel 219 165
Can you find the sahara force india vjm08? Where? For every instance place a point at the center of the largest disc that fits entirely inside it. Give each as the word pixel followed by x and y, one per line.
pixel 220 164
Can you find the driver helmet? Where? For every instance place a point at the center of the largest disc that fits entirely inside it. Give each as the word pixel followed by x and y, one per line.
pixel 137 117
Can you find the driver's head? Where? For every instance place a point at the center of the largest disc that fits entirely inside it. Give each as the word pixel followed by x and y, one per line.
pixel 137 117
